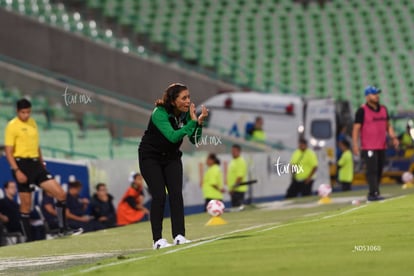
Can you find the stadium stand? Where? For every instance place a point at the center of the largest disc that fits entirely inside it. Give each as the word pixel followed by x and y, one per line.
pixel 335 49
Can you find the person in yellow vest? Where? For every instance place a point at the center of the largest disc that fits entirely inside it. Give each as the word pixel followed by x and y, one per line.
pixel 305 162
pixel 212 185
pixel 237 174
pixel 257 133
pixel 21 140
pixel 406 141
pixel 345 165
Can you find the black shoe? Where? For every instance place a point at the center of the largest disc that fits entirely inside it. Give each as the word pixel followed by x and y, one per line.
pixel 375 198
pixel 70 232
pixel 371 198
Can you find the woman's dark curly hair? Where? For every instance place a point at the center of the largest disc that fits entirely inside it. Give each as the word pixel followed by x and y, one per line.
pixel 214 157
pixel 170 95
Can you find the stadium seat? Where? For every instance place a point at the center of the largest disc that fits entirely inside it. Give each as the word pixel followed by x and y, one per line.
pixel 94 4
pixel 340 46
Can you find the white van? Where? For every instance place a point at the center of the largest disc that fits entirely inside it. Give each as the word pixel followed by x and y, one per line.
pixel 285 117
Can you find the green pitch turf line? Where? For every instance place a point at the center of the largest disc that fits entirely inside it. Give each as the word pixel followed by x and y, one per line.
pixel 206 240
pixel 194 244
pixel 313 220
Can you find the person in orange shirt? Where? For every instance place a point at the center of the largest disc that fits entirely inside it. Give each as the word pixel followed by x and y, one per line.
pixel 131 207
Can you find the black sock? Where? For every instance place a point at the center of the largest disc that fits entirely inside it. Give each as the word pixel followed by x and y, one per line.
pixel 61 214
pixel 25 224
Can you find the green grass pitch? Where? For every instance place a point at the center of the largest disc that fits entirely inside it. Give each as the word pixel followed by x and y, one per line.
pixel 304 239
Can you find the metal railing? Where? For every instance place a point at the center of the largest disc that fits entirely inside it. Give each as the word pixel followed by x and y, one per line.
pixel 67 153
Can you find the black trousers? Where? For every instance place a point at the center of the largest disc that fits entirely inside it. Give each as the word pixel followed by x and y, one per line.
pixel 2 238
pixel 374 162
pixel 299 187
pixel 160 173
pixel 346 186
pixel 237 199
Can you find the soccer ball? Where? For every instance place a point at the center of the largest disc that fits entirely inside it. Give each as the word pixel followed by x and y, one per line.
pixel 356 202
pixel 407 177
pixel 324 190
pixel 215 207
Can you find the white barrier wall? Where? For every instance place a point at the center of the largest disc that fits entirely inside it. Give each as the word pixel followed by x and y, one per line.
pixel 262 166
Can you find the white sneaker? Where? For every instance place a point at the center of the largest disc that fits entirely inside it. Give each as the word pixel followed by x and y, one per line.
pixel 161 243
pixel 180 239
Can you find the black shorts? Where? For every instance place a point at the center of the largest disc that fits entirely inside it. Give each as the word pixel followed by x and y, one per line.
pixel 34 171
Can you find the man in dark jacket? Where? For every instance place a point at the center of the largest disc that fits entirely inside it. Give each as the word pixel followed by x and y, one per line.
pixel 102 207
pixel 10 208
pixel 77 210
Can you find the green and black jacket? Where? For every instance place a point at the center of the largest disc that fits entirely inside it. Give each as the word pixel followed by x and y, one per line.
pixel 165 133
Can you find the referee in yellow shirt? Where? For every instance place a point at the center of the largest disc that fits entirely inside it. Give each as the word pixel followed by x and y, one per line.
pixel 236 174
pixel 25 159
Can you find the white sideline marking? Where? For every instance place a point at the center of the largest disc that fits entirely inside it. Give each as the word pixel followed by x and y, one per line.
pixel 46 260
pixel 312 220
pixel 327 217
pixel 344 212
pixel 198 243
pixel 111 264
pixel 218 237
pixel 312 214
pixel 286 224
pixel 191 245
pixel 391 199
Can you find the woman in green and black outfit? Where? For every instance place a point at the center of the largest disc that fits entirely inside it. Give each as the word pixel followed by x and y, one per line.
pixel 160 158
